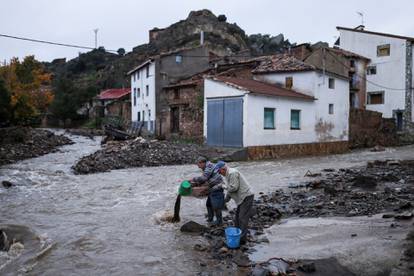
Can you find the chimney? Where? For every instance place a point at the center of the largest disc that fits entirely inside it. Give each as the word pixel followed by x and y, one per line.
pixel 360 28
pixel 201 37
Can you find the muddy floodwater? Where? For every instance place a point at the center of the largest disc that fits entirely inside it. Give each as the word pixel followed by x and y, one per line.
pixel 110 223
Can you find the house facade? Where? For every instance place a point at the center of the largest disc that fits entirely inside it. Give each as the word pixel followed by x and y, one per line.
pixel 148 104
pixel 114 103
pixel 341 62
pixel 288 107
pixel 389 77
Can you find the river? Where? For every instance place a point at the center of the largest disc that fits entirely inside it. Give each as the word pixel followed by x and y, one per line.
pixel 108 223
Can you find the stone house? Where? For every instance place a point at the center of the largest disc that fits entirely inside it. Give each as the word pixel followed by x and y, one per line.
pixel 288 107
pixel 389 79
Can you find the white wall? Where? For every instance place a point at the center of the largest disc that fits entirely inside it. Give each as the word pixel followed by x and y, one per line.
pixel 317 125
pixel 390 69
pixel 303 82
pixel 144 103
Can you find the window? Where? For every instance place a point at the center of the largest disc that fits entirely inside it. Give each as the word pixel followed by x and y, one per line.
pixel 176 94
pixel 294 119
pixel 147 90
pixel 269 118
pixel 139 116
pixel 147 71
pixel 289 82
pixel 149 114
pixel 331 83
pixel 352 63
pixel 331 109
pixel 133 76
pixel 138 75
pixel 178 58
pixel 143 115
pixel 376 97
pixel 139 93
pixel 135 96
pixel 383 50
pixel 372 70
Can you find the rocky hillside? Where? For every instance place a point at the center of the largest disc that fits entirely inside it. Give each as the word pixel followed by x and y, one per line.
pixel 101 69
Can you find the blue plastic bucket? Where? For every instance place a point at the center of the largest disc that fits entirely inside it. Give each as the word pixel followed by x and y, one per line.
pixel 233 237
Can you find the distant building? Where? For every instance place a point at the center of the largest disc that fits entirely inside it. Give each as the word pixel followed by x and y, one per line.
pixel 288 107
pixel 114 103
pixel 148 104
pixel 389 77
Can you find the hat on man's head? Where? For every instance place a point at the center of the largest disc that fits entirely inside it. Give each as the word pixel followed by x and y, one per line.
pixel 201 159
pixel 219 165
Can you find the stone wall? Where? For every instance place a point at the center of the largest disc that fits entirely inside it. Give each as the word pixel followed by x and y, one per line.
pixel 293 150
pixel 368 129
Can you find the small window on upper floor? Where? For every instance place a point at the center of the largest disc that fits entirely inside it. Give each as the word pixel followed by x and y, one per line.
pixel 135 96
pixel 376 97
pixel 289 82
pixel 372 70
pixel 139 93
pixel 178 59
pixel 383 50
pixel 133 76
pixel 331 109
pixel 331 83
pixel 147 71
pixel 147 90
pixel 137 75
pixel 352 63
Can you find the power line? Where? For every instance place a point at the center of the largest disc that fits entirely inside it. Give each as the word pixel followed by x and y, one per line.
pixel 363 77
pixel 50 42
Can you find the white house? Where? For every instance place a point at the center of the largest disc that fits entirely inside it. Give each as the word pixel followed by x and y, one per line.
pixel 287 103
pixel 389 74
pixel 143 94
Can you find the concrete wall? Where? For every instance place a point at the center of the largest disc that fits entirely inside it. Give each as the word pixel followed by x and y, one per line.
pixel 390 69
pixel 144 103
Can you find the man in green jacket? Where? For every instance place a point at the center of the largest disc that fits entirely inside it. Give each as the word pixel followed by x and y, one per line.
pixel 239 190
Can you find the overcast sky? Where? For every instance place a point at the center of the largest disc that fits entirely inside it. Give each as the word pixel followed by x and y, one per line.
pixel 125 23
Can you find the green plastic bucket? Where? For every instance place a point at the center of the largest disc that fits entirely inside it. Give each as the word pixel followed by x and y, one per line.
pixel 185 188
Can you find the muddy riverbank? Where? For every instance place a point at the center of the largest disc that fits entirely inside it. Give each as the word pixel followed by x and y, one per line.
pixel 18 143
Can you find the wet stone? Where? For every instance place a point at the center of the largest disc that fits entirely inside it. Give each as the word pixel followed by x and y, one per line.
pixel 6 184
pixel 193 227
pixel 307 267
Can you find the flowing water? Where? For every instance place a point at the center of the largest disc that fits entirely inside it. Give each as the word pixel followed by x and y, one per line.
pixel 112 223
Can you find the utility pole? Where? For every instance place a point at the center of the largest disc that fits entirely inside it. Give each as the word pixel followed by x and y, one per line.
pixel 361 14
pixel 96 38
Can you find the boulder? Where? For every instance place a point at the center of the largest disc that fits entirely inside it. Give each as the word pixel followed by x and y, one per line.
pixel 193 227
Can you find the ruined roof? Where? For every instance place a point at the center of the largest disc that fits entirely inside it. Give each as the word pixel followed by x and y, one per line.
pixel 112 94
pixel 258 87
pixel 375 33
pixel 346 53
pixel 282 63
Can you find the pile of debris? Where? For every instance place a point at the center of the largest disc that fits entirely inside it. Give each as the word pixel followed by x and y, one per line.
pixel 136 153
pixel 18 143
pixel 142 152
pixel 381 186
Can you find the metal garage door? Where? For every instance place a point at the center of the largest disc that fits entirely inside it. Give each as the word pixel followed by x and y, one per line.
pixel 225 122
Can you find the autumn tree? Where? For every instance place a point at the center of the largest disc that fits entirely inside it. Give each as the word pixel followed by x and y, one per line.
pixel 29 86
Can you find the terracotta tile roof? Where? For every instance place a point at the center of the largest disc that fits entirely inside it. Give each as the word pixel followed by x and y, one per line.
pixel 112 94
pixel 282 63
pixel 346 53
pixel 258 87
